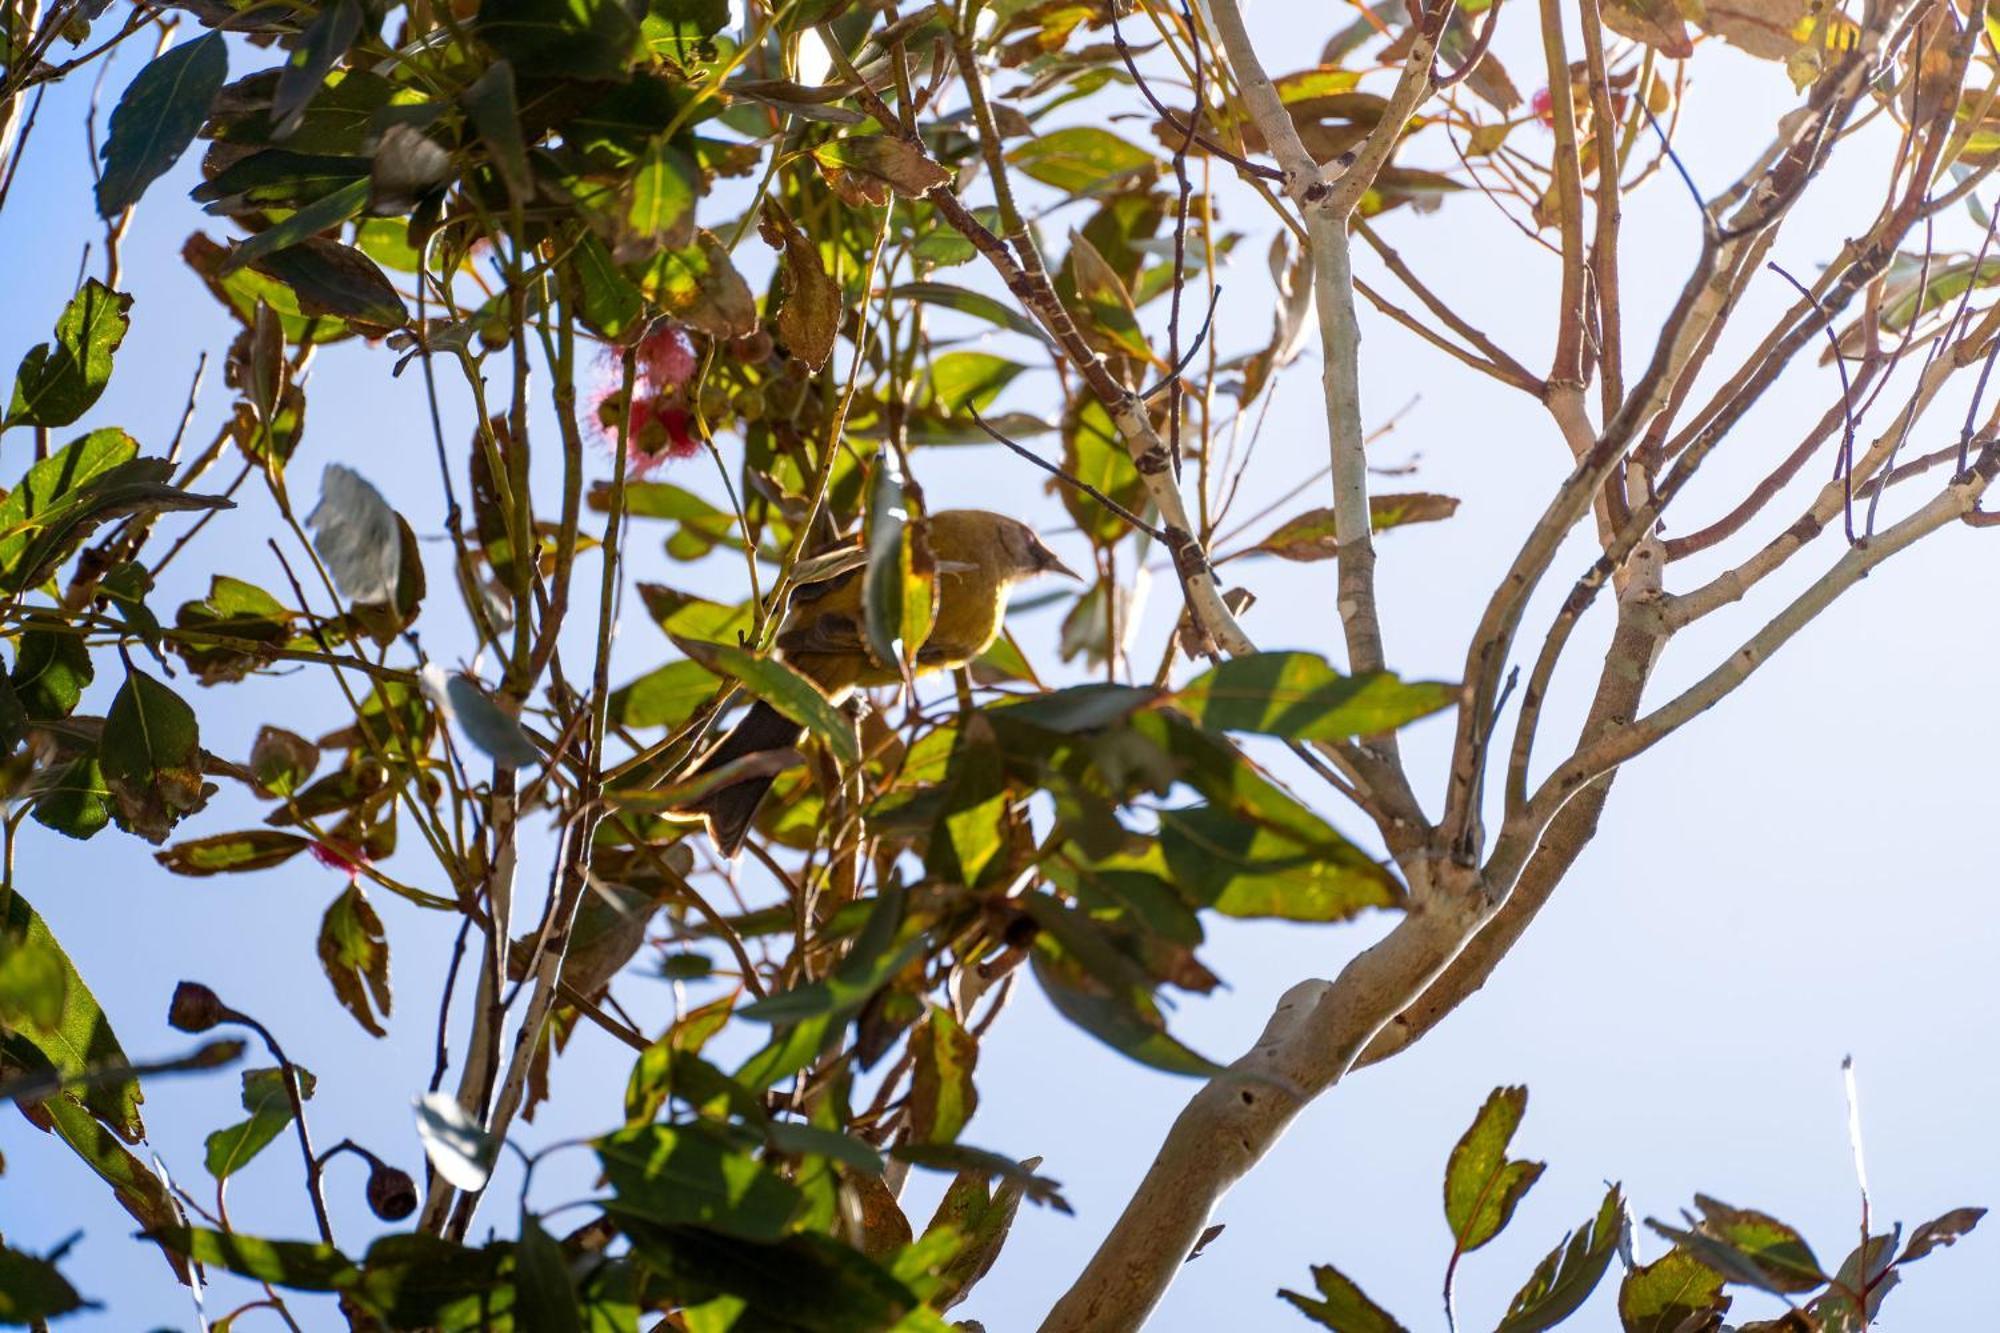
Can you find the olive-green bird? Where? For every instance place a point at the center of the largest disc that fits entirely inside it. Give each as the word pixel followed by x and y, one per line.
pixel 980 557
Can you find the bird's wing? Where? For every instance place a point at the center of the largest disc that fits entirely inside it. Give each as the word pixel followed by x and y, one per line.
pixel 827 631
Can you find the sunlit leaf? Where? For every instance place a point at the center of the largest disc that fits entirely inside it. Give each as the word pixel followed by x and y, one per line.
pixel 1481 1184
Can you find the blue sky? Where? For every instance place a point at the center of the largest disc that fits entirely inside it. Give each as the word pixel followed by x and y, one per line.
pixel 1803 874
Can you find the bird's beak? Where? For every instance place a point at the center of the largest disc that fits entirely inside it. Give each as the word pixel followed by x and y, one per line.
pixel 1046 563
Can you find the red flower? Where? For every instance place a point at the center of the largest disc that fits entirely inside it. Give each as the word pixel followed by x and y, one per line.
pixel 349 859
pixel 1543 107
pixel 666 357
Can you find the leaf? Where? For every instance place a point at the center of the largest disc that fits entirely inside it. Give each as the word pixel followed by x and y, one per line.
pixel 1940 1232
pixel 942 1096
pixel 325 40
pixel 270 1108
pixel 232 853
pixel 1341 1305
pixel 1102 991
pixel 805 1281
pixel 51 671
pixel 138 1190
pixel 73 800
pixel 1083 160
pixel 357 534
pixel 974 379
pixel 157 118
pixel 544 1296
pixel 888 941
pixel 782 688
pixel 354 951
pixel 876 164
pixel 497 732
pixel 1243 866
pixel 58 381
pixel 63 498
pixel 809 316
pixel 700 286
pixel 490 101
pixel 968 302
pixel 331 279
pixel 1564 1280
pixel 690 1175
pixel 257 622
pixel 1656 23
pixel 31 1290
pixel 1309 536
pixel 1676 1293
pixel 282 762
pixel 287 1263
pixel 581 39
pixel 61 1021
pixel 660 202
pixel 462 1151
pixel 1749 1247
pixel 666 696
pixel 336 208
pixel 151 756
pixel 1300 697
pixel 898 590
pixel 1481 1186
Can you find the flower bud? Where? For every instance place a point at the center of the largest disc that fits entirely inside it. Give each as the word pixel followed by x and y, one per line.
pixel 392 1195
pixel 195 1008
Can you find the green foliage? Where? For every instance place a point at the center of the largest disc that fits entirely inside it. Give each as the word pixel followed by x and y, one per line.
pixel 58 381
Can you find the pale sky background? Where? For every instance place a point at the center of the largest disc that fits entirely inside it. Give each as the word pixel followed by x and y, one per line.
pixel 1799 875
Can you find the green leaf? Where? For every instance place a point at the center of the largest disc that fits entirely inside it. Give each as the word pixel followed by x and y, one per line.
pixel 1103 992
pixel 959 379
pixel 805 1281
pixel 157 118
pixel 896 594
pixel 659 209
pixel 1673 1293
pixel 782 688
pixel 1481 1186
pixel 61 1021
pixel 1247 867
pixel 51 671
pixel 610 303
pixel 490 101
pixel 73 799
pixel 336 208
pixel 691 1175
pixel 300 1265
pixel 1309 536
pixel 496 732
pixel 138 1190
pixel 31 1290
pixel 270 1108
pixel 979 1218
pixel 968 302
pixel 325 40
pixel 1341 1305
pixel 232 853
pixel 239 611
pixel 580 39
pixel 58 381
pixel 151 756
pixel 65 496
pixel 544 1296
pixel 666 696
pixel 887 943
pixel 942 1096
pixel 1563 1281
pixel 1082 159
pixel 354 952
pixel 331 279
pixel 699 285
pixel 1300 697
pixel 1749 1247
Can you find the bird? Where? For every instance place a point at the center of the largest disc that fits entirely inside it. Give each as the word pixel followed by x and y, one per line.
pixel 979 556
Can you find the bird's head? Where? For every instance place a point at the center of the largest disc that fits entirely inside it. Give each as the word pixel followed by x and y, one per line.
pixel 965 539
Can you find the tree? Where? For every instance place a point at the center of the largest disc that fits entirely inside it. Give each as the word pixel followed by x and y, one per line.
pixel 773 240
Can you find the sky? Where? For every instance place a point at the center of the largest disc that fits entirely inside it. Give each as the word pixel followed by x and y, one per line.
pixel 1801 875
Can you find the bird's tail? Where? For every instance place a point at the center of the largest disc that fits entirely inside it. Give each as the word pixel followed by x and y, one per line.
pixel 730 809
